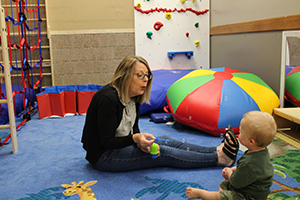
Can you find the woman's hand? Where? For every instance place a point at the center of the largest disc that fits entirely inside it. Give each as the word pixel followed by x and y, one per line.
pixel 143 142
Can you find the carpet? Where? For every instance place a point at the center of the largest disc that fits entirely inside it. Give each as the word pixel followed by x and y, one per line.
pixel 50 154
pixel 286 160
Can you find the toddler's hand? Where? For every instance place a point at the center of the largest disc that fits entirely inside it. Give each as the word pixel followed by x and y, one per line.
pixel 224 172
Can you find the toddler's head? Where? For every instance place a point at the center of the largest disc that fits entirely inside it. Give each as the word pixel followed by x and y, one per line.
pixel 259 126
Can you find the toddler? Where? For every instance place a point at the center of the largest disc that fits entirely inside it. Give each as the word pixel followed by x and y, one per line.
pixel 252 177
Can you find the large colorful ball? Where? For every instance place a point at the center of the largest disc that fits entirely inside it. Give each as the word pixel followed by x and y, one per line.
pixel 292 86
pixel 212 99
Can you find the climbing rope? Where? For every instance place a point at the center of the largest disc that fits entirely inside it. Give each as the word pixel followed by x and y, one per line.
pixel 25 52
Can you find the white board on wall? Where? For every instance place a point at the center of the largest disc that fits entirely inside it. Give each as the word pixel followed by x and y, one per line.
pixel 172 36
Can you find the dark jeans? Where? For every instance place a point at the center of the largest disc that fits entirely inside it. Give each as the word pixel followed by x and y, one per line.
pixel 175 154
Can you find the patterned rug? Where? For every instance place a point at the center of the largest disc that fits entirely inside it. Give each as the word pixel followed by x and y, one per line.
pixel 285 156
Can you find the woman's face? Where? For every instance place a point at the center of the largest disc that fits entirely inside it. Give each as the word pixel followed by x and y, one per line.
pixel 138 82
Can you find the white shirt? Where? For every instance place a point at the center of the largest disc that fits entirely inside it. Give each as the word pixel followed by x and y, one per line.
pixel 129 115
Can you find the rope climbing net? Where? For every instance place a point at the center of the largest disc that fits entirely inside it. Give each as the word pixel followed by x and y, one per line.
pixel 23 23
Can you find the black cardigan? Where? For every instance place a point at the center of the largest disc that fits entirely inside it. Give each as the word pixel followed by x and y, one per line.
pixel 103 117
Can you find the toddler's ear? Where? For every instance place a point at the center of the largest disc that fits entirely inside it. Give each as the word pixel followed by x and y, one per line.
pixel 253 142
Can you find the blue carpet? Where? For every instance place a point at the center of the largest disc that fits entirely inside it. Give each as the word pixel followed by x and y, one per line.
pixel 50 154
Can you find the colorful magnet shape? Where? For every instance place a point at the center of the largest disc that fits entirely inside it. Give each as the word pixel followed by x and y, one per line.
pixel 197 42
pixel 182 1
pixel 187 34
pixel 139 5
pixel 168 16
pixel 197 24
pixel 158 25
pixel 149 35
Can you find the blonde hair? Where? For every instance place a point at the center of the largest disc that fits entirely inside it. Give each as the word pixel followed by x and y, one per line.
pixel 123 76
pixel 262 127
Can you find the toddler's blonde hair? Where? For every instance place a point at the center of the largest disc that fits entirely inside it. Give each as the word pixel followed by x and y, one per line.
pixel 262 127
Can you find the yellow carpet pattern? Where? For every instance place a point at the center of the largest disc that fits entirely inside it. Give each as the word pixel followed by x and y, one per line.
pixel 288 139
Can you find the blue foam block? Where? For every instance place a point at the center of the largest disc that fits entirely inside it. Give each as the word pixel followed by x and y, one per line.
pixel 161 117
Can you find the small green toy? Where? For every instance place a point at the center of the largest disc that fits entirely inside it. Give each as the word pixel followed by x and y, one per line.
pixel 154 150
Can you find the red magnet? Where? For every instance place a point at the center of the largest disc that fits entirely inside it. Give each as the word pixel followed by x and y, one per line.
pixel 158 25
pixel 187 34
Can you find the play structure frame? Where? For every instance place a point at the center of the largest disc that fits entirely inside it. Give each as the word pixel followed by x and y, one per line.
pixel 22 55
pixel 7 77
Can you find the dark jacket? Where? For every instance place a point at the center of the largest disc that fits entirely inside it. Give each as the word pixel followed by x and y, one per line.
pixel 103 117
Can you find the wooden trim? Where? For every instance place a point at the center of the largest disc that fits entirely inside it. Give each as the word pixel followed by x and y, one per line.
pixel 91 31
pixel 291 22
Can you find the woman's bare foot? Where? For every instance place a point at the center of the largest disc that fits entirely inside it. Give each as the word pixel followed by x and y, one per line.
pixel 193 193
pixel 220 147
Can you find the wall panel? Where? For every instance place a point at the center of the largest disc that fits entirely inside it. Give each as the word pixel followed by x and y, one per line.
pixel 258 53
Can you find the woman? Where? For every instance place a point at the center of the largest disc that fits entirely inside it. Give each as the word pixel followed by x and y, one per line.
pixel 111 134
